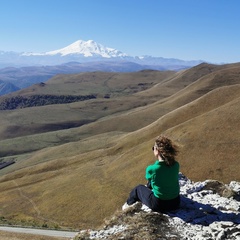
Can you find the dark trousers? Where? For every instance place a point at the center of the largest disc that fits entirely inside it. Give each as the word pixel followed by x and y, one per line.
pixel 145 195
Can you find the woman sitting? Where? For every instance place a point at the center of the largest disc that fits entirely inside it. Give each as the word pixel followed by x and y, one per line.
pixel 162 191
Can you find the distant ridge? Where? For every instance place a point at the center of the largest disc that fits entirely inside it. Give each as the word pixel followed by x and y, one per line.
pixel 14 78
pixel 6 87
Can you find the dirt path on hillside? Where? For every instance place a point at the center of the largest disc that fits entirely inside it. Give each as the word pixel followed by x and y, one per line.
pixel 25 236
pixel 17 233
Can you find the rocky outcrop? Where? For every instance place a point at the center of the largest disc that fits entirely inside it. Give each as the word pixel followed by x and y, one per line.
pixel 209 210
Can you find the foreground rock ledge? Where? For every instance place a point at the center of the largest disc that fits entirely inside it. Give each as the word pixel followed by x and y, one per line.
pixel 209 210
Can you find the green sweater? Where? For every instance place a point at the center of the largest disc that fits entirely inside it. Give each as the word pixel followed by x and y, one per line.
pixel 164 180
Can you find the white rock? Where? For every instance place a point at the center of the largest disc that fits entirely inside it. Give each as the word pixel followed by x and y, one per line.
pixel 235 186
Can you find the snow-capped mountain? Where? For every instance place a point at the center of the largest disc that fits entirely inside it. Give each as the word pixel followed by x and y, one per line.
pixel 86 48
pixel 89 51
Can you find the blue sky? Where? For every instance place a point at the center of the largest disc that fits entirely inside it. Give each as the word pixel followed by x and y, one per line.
pixel 185 29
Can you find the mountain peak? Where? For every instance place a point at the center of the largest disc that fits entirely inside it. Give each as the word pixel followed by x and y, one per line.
pixel 88 48
pixel 90 51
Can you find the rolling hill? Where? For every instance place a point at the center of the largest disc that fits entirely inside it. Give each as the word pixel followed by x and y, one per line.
pixel 76 162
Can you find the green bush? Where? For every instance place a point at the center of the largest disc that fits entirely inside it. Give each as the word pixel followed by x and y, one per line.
pixel 40 100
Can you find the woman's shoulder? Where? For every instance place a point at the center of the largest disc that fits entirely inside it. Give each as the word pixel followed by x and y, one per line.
pixel 176 165
pixel 154 165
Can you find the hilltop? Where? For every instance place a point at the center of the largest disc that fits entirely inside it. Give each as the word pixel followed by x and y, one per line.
pixel 16 78
pixel 72 155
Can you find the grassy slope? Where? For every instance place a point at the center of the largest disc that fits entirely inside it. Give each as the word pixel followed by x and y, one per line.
pixel 79 183
pixel 119 87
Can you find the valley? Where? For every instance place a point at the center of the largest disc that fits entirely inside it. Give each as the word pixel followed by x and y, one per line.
pixel 76 162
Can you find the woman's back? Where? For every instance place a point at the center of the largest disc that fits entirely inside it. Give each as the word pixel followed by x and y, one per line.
pixel 164 179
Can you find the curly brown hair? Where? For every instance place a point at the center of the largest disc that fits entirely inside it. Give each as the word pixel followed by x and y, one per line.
pixel 166 149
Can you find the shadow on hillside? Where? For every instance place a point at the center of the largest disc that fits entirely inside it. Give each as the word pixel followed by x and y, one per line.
pixel 204 214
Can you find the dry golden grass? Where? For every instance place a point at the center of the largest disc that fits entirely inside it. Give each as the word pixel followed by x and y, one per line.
pixel 89 175
pixel 29 121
